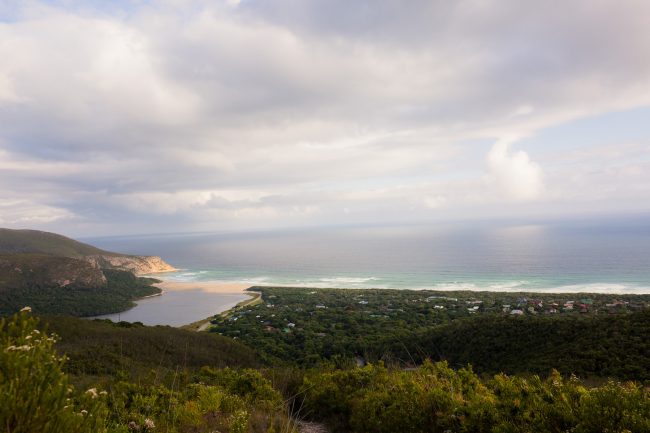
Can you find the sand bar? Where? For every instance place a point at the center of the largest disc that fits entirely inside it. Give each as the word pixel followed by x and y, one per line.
pixel 207 286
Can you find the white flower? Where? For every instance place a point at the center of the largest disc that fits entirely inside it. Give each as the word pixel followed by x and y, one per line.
pixel 148 424
pixel 26 309
pixel 23 348
pixel 92 392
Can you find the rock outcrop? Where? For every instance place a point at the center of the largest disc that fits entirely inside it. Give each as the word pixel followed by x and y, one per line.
pixel 138 265
pixel 28 270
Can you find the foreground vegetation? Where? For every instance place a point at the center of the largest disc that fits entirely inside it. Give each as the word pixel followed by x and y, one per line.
pixel 40 396
pixel 435 398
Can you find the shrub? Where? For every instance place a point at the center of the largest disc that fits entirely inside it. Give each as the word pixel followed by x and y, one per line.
pixel 35 392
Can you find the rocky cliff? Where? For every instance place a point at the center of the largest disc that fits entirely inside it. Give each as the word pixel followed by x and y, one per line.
pixel 28 270
pixel 52 244
pixel 139 265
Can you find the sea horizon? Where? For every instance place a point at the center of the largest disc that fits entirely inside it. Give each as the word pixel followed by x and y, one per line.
pixel 600 257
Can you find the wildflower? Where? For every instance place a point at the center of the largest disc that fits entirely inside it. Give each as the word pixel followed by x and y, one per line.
pixel 148 424
pixel 36 331
pixel 84 412
pixel 92 392
pixel 26 309
pixel 23 348
pixel 133 426
pixel 103 393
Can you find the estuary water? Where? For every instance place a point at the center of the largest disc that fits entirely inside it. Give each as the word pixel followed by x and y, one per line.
pixel 604 256
pixel 177 308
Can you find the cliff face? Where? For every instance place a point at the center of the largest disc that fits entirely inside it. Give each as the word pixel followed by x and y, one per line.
pixel 139 265
pixel 52 244
pixel 27 270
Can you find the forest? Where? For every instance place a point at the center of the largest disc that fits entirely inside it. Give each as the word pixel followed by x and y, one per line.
pixel 117 294
pixel 307 327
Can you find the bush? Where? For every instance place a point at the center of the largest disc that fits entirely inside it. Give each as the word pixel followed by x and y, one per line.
pixel 35 392
pixel 435 398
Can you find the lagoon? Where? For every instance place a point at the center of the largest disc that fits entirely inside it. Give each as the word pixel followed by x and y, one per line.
pixel 178 308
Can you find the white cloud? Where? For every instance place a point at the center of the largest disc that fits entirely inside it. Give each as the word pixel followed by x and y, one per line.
pixel 23 213
pixel 513 172
pixel 188 114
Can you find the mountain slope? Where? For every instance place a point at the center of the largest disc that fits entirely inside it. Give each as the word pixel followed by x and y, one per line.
pixel 52 244
pixel 63 285
pixel 58 275
pixel 38 242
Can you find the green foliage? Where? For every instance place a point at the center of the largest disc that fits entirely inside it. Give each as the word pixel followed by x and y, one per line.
pixel 308 327
pixel 46 297
pixel 101 347
pixel 585 345
pixel 200 406
pixel 36 395
pixel 435 398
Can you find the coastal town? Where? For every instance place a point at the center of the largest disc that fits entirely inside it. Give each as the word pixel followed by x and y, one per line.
pixel 325 322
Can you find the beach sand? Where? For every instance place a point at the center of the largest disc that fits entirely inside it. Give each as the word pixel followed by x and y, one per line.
pixel 207 286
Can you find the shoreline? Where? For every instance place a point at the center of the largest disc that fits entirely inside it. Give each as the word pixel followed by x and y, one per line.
pixel 206 286
pixel 219 287
pixel 204 324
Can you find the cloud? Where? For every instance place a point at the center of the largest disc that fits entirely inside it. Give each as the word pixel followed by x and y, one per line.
pixel 140 115
pixel 514 173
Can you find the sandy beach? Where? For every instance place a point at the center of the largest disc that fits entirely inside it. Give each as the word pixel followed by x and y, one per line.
pixel 206 286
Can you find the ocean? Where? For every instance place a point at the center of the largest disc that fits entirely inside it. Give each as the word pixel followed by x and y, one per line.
pixel 601 256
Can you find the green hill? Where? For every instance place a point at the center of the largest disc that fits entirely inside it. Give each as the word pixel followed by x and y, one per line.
pixel 100 347
pixel 57 275
pixel 589 346
pixel 62 285
pixel 39 242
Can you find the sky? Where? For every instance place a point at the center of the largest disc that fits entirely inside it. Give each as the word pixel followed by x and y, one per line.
pixel 142 116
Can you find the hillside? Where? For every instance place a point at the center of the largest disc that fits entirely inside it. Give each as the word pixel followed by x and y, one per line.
pixel 100 347
pixel 19 271
pixel 39 242
pixel 589 346
pixel 62 285
pixel 52 244
pixel 54 274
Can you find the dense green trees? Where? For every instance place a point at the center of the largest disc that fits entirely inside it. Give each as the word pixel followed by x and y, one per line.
pixel 117 295
pixel 309 326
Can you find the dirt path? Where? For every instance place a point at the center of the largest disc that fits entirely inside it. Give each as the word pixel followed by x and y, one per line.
pixel 311 427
